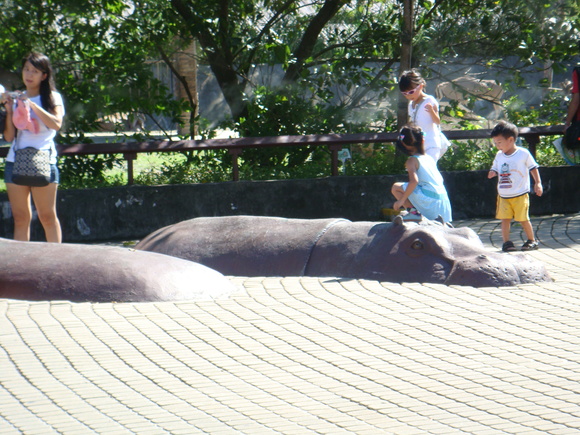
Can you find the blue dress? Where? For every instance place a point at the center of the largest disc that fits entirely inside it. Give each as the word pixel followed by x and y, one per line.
pixel 430 196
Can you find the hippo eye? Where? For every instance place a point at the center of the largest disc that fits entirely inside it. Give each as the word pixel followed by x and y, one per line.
pixel 417 245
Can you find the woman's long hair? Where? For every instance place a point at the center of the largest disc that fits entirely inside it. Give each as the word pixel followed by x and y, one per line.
pixel 42 63
pixel 412 136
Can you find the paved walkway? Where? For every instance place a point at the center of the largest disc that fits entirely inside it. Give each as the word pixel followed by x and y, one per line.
pixel 307 355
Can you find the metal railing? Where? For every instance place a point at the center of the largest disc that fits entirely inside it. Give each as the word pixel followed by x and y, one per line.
pixel 235 146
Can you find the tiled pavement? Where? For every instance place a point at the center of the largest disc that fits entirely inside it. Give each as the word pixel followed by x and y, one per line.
pixel 307 355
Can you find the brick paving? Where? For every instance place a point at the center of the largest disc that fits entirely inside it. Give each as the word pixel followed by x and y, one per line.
pixel 308 355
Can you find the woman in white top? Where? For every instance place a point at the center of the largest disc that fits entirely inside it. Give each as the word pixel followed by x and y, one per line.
pixel 424 112
pixel 47 112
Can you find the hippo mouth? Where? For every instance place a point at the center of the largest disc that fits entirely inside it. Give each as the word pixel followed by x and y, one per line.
pixel 497 270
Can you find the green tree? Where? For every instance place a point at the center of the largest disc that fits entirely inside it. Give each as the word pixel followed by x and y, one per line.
pixel 99 50
pixel 337 52
pixel 358 43
pixel 338 59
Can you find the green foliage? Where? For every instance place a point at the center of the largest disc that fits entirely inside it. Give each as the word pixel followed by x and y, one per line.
pixel 468 155
pixel 188 167
pixel 338 64
pixel 98 50
pixel 479 155
pixel 485 31
pixel 549 112
pixel 377 159
pixel 290 110
pixel 88 172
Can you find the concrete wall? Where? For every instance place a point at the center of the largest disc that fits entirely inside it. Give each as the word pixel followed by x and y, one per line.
pixel 126 213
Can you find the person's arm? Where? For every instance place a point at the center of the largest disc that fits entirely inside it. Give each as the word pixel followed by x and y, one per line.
pixel 9 129
pixel 572 109
pixel 412 166
pixel 493 172
pixel 538 188
pixel 575 101
pixel 52 121
pixel 433 111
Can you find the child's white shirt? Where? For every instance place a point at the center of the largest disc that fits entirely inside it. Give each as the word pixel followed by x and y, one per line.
pixel 513 172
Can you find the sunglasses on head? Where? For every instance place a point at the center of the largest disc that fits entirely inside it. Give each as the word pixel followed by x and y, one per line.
pixel 412 91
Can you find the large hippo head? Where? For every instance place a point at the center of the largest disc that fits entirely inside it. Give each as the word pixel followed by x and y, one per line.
pixel 426 252
pixel 395 252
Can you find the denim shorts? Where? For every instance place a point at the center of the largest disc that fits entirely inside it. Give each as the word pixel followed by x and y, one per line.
pixel 54 173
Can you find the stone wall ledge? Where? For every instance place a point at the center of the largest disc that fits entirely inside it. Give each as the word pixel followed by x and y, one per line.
pixel 132 212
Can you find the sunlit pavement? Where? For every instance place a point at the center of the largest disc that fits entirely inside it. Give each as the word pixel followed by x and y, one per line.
pixel 308 355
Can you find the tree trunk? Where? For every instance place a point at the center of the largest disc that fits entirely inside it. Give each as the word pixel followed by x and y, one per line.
pixel 406 56
pixel 306 46
pixel 219 56
pixel 186 64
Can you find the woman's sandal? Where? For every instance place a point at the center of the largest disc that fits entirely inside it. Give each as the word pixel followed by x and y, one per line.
pixel 508 246
pixel 530 245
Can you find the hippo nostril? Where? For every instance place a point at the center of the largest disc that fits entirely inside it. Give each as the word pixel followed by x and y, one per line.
pixel 481 257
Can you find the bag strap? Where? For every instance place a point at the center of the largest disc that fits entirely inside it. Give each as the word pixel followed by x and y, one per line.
pixel 416 111
pixel 17 136
pixel 15 148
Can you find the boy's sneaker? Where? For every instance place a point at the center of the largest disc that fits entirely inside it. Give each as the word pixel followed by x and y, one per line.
pixel 530 245
pixel 411 215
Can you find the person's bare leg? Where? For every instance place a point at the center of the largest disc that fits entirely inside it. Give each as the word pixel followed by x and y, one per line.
pixel 505 229
pixel 398 192
pixel 45 203
pixel 19 197
pixel 528 229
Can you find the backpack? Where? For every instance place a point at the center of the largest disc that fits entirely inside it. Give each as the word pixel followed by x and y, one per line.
pixel 572 134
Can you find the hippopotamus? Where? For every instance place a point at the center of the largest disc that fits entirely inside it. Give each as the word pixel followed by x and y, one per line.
pixel 91 273
pixel 426 252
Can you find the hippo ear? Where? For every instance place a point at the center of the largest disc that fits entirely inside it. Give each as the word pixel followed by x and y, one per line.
pixel 442 222
pixel 398 220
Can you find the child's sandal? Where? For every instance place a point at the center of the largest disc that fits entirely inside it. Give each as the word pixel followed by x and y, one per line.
pixel 530 245
pixel 508 246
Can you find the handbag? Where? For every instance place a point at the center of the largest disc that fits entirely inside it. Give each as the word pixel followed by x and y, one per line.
pixel 572 136
pixel 31 167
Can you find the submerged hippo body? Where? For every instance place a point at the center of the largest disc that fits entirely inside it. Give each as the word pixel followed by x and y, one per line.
pixel 85 273
pixel 395 252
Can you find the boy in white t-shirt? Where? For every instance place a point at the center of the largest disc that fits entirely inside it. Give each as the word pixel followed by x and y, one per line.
pixel 513 165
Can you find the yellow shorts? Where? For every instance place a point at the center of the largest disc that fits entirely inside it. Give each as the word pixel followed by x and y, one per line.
pixel 513 208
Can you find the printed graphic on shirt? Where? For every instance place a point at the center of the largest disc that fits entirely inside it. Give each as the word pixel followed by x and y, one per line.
pixel 505 181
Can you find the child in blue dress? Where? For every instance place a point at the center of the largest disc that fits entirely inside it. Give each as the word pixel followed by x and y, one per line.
pixel 424 194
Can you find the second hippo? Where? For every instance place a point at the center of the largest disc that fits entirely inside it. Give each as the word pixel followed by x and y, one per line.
pixel 394 252
pixel 37 271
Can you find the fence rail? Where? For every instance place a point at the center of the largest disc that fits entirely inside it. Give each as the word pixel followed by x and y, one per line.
pixel 235 146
